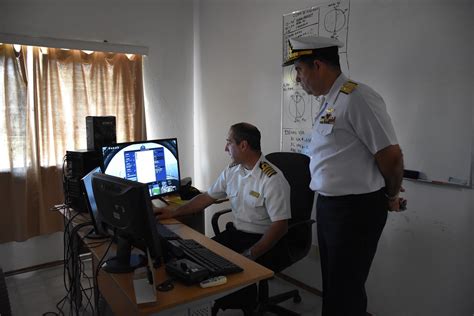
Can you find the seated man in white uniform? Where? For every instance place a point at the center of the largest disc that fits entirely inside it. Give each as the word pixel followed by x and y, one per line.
pixel 258 192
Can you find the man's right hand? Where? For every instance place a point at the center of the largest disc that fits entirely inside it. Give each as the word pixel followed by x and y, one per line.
pixel 164 212
pixel 198 203
pixel 397 205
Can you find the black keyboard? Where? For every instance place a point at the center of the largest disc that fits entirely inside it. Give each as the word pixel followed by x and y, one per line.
pixel 166 233
pixel 216 264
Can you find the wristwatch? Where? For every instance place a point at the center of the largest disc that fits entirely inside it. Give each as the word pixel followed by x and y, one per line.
pixel 247 253
pixel 391 198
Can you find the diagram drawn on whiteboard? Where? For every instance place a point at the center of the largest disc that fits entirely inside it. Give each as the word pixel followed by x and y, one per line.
pixel 297 106
pixel 335 20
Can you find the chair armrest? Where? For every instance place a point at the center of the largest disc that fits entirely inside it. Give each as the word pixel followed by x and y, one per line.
pixel 295 225
pixel 215 220
pixel 299 238
pixel 219 201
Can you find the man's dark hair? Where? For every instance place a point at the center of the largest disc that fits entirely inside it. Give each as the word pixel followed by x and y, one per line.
pixel 328 55
pixel 248 132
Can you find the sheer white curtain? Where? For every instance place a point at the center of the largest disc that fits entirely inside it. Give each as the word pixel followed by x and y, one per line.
pixel 46 94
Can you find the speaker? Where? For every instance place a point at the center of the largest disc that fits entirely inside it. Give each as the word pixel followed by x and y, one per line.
pixel 78 164
pixel 101 131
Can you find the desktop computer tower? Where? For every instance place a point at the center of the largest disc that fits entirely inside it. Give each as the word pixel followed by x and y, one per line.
pixel 101 131
pixel 78 164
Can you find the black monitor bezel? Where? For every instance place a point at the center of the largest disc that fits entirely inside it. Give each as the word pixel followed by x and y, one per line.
pixel 99 225
pixel 158 140
pixel 148 238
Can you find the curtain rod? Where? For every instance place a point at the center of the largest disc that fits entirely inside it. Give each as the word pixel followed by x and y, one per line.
pixel 103 46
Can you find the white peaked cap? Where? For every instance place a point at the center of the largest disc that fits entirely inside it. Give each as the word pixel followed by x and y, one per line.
pixel 313 42
pixel 308 45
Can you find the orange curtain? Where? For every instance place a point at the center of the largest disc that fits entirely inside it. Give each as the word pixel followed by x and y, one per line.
pixel 50 92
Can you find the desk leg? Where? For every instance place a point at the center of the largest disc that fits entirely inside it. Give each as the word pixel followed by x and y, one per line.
pixel 96 287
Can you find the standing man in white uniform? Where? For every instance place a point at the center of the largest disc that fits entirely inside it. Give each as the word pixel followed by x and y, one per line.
pixel 356 167
pixel 258 192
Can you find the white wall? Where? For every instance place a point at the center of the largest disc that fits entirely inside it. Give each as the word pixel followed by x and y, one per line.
pixel 240 57
pixel 425 257
pixel 165 27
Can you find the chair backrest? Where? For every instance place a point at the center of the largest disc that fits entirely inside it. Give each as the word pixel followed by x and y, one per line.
pixel 295 168
pixel 297 242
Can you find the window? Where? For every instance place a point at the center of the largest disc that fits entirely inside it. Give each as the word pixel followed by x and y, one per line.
pixel 45 95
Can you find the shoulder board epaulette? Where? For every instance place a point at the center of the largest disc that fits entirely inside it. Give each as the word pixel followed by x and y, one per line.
pixel 232 165
pixel 348 87
pixel 267 169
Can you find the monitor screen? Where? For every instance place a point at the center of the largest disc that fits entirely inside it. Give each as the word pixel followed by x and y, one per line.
pixel 91 205
pixel 125 207
pixel 153 162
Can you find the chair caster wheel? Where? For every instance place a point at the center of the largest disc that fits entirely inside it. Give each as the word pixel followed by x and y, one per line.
pixel 297 299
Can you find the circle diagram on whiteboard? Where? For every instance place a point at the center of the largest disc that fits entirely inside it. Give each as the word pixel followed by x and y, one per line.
pixel 334 21
pixel 297 107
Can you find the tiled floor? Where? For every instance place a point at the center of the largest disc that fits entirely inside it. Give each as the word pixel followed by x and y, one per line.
pixel 37 293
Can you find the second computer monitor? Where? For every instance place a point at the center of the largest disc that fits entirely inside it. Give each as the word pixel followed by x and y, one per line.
pixel 99 228
pixel 153 162
pixel 126 209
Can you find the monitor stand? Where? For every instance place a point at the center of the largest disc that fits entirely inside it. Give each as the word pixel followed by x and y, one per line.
pixel 93 235
pixel 124 261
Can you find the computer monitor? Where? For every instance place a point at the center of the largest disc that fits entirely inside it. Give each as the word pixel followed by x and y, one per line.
pixel 125 207
pixel 153 162
pixel 86 181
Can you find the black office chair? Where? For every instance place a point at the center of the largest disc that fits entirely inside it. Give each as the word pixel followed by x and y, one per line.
pixel 294 246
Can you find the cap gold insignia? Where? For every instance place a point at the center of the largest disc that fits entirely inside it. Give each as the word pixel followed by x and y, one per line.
pixel 348 87
pixel 254 194
pixel 267 169
pixel 293 55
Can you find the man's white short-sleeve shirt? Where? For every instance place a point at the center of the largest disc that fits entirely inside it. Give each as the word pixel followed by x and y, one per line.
pixel 258 197
pixel 349 130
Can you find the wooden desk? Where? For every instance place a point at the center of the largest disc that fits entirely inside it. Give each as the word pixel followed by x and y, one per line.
pixel 117 289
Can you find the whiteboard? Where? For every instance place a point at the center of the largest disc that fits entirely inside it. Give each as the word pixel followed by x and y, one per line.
pixel 417 56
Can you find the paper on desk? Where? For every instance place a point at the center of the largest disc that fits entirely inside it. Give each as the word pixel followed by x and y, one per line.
pixel 175 199
pixel 144 292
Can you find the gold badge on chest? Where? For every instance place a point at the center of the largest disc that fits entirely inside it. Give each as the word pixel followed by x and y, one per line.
pixel 254 194
pixel 328 117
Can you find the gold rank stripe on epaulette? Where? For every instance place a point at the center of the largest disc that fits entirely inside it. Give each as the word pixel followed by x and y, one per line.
pixel 267 169
pixel 348 87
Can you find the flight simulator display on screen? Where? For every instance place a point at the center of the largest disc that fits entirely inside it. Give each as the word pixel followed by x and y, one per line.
pixel 153 162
